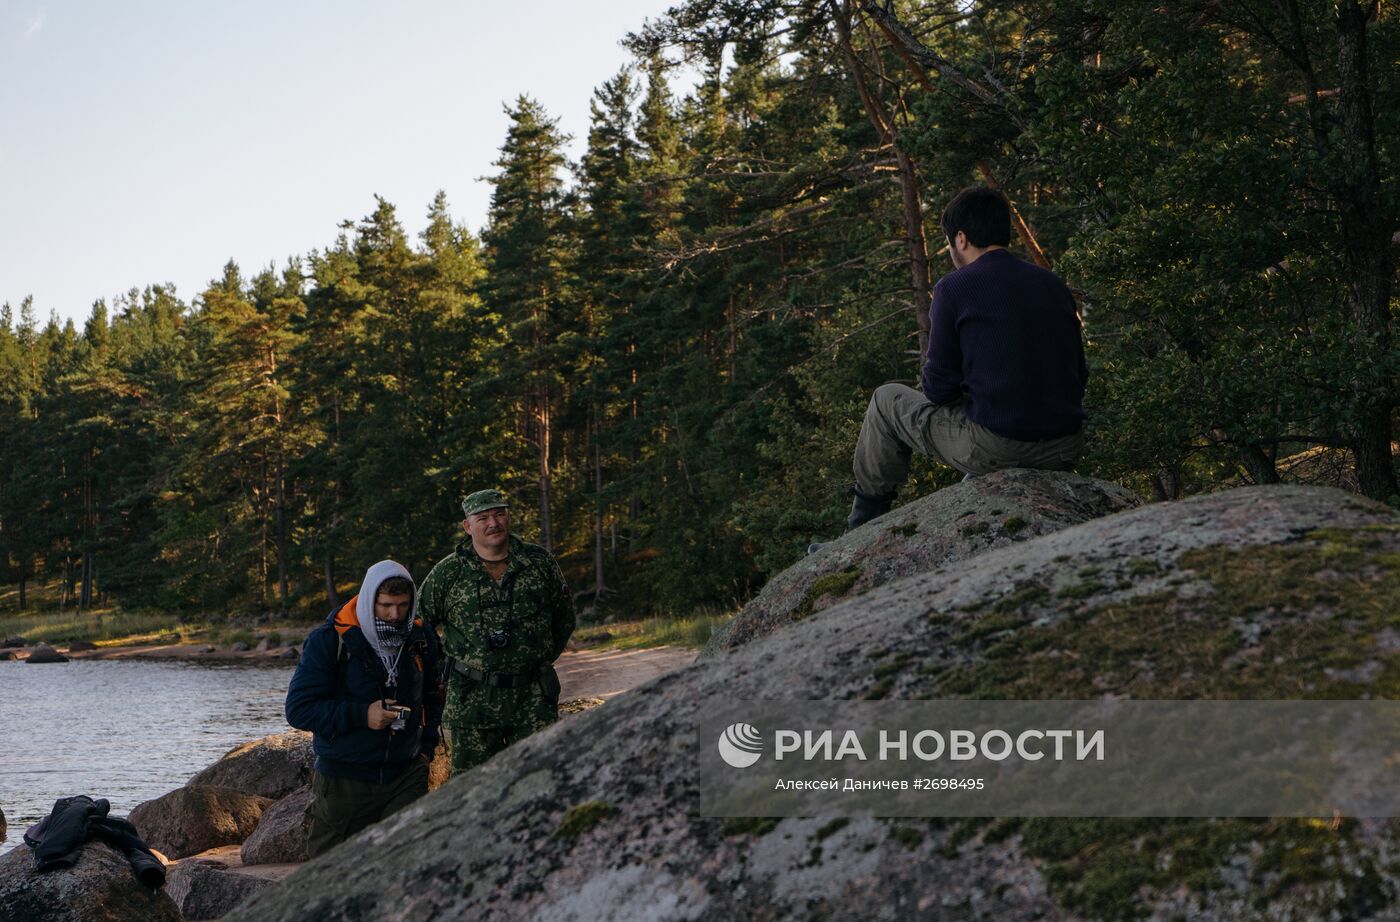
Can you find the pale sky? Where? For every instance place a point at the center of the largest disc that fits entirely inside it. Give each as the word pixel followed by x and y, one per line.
pixel 150 141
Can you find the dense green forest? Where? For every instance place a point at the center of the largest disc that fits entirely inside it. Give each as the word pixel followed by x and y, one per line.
pixel 663 351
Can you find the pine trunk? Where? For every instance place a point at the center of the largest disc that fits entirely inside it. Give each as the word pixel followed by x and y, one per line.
pixel 282 537
pixel 85 599
pixel 599 584
pixel 1369 265
pixel 332 599
pixel 912 210
pixel 546 522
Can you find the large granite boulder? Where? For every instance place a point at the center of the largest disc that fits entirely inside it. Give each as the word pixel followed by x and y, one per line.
pixel 281 833
pixel 208 890
pixel 953 524
pixel 198 817
pixel 43 653
pixel 271 767
pixel 1255 593
pixel 99 888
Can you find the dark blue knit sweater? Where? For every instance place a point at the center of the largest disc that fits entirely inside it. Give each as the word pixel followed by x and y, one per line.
pixel 1003 335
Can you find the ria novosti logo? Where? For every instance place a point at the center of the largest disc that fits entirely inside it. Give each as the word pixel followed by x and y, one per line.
pixel 740 745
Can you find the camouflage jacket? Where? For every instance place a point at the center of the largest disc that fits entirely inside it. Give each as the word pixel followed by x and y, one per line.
pixel 531 609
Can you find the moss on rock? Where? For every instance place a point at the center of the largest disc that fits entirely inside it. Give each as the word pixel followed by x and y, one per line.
pixel 750 825
pixel 832 584
pixel 580 818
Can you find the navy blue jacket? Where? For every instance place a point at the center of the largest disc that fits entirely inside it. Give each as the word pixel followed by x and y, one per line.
pixel 331 699
pixel 1004 336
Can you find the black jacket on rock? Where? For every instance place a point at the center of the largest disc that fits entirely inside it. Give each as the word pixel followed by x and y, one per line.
pixel 57 839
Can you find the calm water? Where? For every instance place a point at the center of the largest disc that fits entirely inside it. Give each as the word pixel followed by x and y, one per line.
pixel 127 730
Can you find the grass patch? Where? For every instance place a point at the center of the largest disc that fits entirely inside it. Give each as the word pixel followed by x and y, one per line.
pixel 242 635
pixel 580 818
pixel 890 669
pixel 693 631
pixel 1143 567
pixel 750 825
pixel 103 626
pixel 113 625
pixel 963 830
pixel 906 530
pixel 1326 598
pixel 1026 595
pixel 976 528
pixel 879 690
pixel 827 830
pixel 907 836
pixel 1014 524
pixel 1082 590
pixel 1103 867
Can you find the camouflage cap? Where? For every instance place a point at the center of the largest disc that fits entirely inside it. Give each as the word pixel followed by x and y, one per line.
pixel 482 500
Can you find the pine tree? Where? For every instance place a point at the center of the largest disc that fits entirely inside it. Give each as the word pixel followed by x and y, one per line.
pixel 527 250
pixel 228 527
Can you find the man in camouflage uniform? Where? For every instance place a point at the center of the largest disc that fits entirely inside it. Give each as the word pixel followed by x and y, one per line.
pixel 505 615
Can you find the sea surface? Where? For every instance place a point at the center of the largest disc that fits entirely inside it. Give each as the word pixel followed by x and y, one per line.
pixel 126 730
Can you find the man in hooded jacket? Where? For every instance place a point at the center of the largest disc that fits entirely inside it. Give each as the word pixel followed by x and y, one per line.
pixel 366 687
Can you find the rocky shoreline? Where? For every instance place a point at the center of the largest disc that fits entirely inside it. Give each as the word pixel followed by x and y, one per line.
pixel 18 649
pixel 231 829
pixel 239 825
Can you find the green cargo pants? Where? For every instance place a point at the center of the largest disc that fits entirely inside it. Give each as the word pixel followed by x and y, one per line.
pixel 341 807
pixel 470 746
pixel 901 420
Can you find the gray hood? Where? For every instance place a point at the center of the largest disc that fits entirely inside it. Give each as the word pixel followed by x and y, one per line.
pixel 364 610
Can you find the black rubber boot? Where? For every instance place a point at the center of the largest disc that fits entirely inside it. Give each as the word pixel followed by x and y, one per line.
pixel 863 509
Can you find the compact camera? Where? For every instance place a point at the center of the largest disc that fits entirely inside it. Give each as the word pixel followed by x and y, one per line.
pixel 401 715
pixel 497 640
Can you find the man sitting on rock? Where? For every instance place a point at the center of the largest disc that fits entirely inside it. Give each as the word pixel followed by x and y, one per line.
pixel 1003 380
pixel 367 689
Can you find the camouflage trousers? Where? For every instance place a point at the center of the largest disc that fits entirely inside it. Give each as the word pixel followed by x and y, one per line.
pixel 470 746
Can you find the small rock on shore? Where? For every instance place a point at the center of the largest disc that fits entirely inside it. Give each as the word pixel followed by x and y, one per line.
pixel 281 834
pixel 204 889
pixel 43 653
